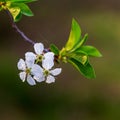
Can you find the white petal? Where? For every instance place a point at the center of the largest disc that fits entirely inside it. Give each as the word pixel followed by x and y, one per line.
pixel 39 79
pixel 50 79
pixel 48 61
pixel 38 47
pixel 49 55
pixel 30 80
pixel 56 71
pixel 30 56
pixel 22 76
pixel 29 64
pixel 30 59
pixel 36 70
pixel 21 64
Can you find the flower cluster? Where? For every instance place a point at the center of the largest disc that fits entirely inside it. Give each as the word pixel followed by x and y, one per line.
pixel 38 66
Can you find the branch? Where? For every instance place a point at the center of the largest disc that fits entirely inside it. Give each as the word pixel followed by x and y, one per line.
pixel 18 30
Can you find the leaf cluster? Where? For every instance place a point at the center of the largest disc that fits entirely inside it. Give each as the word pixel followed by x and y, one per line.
pixel 76 53
pixel 17 8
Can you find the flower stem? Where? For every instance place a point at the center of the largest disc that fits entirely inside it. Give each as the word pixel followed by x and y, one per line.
pixel 18 30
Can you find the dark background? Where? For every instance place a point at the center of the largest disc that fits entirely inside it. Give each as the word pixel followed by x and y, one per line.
pixel 71 97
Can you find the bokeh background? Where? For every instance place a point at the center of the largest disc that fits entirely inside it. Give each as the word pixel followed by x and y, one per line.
pixel 71 97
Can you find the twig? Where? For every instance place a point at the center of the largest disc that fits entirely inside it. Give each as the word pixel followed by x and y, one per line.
pixel 18 30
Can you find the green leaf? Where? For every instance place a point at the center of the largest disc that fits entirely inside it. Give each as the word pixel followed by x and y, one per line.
pixel 82 58
pixel 74 36
pixel 16 13
pixel 21 1
pixel 86 70
pixel 89 50
pixel 24 9
pixel 17 9
pixel 18 17
pixel 54 49
pixel 81 42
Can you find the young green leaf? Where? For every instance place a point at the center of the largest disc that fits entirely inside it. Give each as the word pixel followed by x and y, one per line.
pixel 81 42
pixel 82 58
pixel 86 70
pixel 18 7
pixel 16 13
pixel 18 17
pixel 24 9
pixel 74 36
pixel 89 50
pixel 54 49
pixel 21 1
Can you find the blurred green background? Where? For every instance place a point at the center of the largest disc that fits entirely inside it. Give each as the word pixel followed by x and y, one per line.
pixel 71 97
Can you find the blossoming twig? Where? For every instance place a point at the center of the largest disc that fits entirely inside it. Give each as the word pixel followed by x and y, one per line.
pixel 18 30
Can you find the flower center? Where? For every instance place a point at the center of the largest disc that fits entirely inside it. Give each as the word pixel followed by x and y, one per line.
pixel 39 58
pixel 28 71
pixel 46 72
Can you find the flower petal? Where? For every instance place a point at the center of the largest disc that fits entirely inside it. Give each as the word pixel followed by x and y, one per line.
pixel 21 64
pixel 30 56
pixel 30 59
pixel 48 61
pixel 38 47
pixel 36 70
pixel 22 76
pixel 56 71
pixel 30 80
pixel 50 79
pixel 29 64
pixel 39 79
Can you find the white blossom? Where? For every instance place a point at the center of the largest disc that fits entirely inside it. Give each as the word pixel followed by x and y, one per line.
pixel 52 74
pixel 30 71
pixel 47 64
